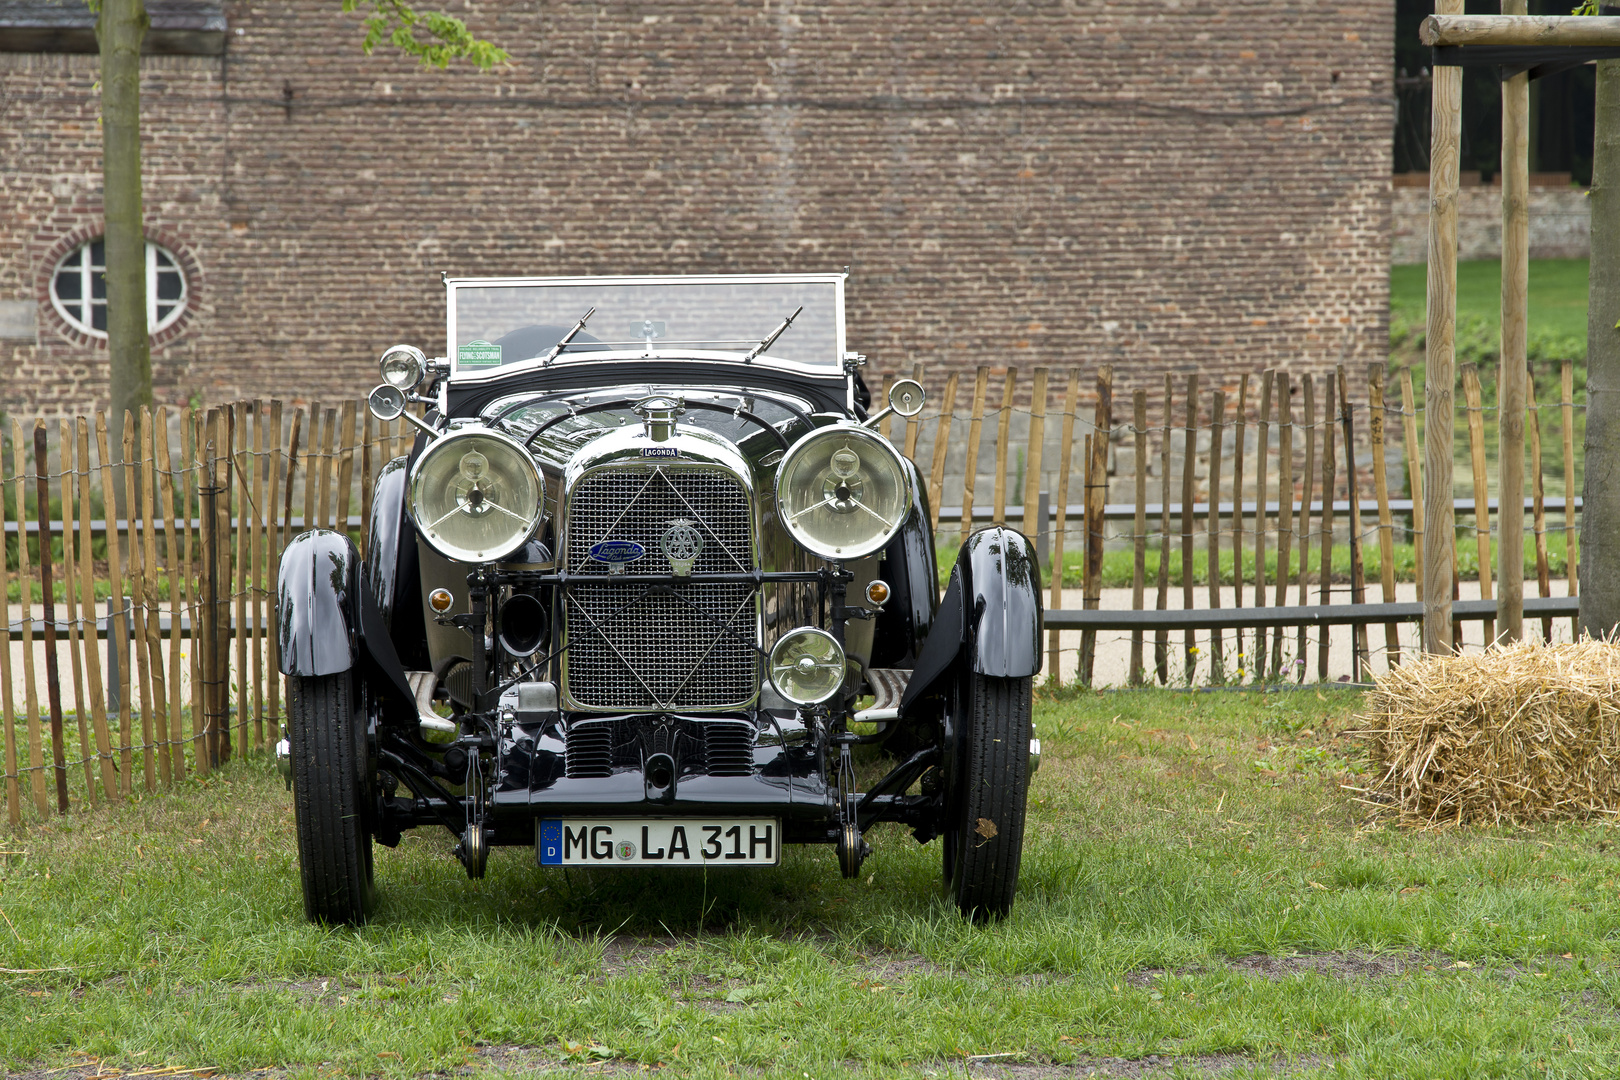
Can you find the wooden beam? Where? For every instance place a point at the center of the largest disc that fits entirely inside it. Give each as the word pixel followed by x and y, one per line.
pixel 1457 29
pixel 1445 140
pixel 1510 377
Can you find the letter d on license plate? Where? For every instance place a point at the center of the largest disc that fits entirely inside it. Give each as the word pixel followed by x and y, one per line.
pixel 658 841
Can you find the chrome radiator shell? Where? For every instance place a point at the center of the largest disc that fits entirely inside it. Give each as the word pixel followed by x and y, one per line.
pixel 630 648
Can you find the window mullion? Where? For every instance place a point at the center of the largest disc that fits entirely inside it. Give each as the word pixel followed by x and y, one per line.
pixel 86 296
pixel 151 287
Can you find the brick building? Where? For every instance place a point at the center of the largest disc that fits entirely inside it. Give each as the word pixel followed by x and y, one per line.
pixel 1184 186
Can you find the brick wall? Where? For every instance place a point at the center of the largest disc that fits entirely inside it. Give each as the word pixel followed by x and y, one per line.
pixel 1189 186
pixel 1560 223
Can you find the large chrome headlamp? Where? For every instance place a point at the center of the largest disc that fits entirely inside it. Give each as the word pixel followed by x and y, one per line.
pixel 843 492
pixel 475 495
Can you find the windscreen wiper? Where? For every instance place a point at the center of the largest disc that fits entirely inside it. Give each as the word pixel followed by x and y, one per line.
pixel 556 350
pixel 770 339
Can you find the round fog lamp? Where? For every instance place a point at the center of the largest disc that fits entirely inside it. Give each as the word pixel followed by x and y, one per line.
pixel 807 666
pixel 440 600
pixel 877 593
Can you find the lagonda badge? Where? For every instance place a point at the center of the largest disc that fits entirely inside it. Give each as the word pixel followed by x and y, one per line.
pixel 617 554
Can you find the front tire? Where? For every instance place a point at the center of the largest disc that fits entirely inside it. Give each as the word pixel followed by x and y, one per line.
pixel 329 761
pixel 984 845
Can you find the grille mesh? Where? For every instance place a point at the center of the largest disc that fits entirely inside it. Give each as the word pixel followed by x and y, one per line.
pixel 632 648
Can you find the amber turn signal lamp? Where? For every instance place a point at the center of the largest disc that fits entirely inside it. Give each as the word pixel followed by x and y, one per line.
pixel 877 593
pixel 440 600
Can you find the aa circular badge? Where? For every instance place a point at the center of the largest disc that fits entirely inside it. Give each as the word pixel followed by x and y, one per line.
pixel 681 544
pixel 625 849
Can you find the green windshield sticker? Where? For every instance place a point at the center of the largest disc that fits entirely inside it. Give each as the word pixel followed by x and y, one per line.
pixel 478 354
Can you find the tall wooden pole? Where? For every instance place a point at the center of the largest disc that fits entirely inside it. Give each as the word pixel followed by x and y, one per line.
pixel 1445 127
pixel 119 29
pixel 1600 513
pixel 1510 378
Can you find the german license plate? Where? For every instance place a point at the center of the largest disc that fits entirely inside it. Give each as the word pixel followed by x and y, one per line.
pixel 658 842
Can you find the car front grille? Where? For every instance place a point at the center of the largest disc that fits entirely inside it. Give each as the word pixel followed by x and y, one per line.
pixel 686 646
pixel 713 746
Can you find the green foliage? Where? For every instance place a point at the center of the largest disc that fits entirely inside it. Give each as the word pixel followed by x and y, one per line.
pixel 1557 310
pixel 447 38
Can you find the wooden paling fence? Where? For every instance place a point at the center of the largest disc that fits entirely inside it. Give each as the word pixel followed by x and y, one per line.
pixel 150 651
pixel 171 559
pixel 1278 480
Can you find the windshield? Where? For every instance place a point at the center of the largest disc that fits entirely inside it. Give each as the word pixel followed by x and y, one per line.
pixel 502 322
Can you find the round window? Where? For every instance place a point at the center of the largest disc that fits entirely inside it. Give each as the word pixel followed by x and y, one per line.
pixel 79 288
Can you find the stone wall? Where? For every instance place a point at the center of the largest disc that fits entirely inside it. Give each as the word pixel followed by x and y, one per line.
pixel 1183 187
pixel 1560 223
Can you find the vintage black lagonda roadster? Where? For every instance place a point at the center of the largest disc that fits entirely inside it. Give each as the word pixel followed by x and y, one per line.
pixel 647 578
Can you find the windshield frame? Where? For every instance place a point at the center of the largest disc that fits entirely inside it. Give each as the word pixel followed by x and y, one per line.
pixel 486 375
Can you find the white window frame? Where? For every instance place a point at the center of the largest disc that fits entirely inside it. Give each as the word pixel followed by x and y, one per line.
pixel 79 313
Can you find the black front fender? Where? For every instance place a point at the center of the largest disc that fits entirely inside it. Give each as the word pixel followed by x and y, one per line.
pixel 1003 608
pixel 330 624
pixel 990 617
pixel 317 590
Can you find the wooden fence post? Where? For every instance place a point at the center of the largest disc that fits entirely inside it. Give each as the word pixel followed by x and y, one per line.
pixel 1377 415
pixel 1188 461
pixel 8 715
pixel 1539 504
pixel 1440 345
pixel 1284 409
pixel 273 535
pixel 970 467
pixel 159 745
pixel 1139 537
pixel 119 635
pixel 1510 376
pixel 87 605
pixel 178 574
pixel 1358 576
pixel 1003 426
pixel 1102 422
pixel 137 588
pixel 1414 473
pixel 70 588
pixel 191 445
pixel 47 583
pixel 1328 491
pixel 1071 402
pixel 1161 638
pixel 1217 425
pixel 942 446
pixel 1482 491
pixel 1239 436
pixel 1303 526
pixel 257 526
pixel 1033 525
pixel 1262 452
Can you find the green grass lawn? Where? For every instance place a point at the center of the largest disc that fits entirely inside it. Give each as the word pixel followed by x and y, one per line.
pixel 1557 296
pixel 1119 566
pixel 1197 885
pixel 1557 332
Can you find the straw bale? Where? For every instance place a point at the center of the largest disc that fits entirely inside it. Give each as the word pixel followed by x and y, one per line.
pixel 1514 734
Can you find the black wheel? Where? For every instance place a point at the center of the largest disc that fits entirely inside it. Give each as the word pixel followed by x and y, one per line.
pixel 329 763
pixel 985 840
